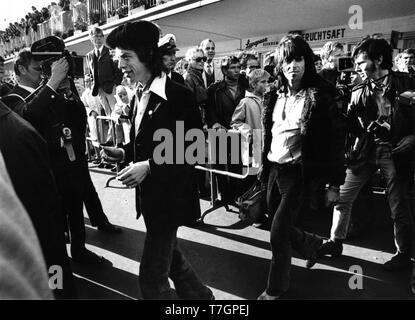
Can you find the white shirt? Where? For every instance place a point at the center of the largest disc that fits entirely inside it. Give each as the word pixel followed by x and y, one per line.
pixel 158 87
pixel 286 135
pixel 99 50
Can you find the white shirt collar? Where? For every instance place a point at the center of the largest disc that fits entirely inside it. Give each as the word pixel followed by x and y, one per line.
pixel 158 86
pixel 30 89
pixel 99 49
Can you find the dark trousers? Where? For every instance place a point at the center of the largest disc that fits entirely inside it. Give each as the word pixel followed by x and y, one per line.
pixel 71 188
pixel 284 235
pixel 161 259
pixel 92 202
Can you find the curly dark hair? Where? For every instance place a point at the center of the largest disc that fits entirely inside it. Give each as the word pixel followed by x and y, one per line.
pixel 142 38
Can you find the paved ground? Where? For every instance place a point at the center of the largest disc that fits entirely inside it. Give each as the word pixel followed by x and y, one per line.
pixel 233 258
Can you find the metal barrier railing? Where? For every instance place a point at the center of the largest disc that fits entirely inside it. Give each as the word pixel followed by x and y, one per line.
pixel 247 170
pixel 101 139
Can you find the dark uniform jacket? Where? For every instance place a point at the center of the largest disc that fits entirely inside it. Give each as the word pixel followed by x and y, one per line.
pixel 363 109
pixel 48 112
pixel 26 156
pixel 168 196
pixel 105 69
pixel 322 133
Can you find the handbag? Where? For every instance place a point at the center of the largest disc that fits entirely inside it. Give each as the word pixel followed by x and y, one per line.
pixel 252 203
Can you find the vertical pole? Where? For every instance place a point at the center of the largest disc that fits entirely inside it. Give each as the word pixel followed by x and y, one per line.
pixel 88 10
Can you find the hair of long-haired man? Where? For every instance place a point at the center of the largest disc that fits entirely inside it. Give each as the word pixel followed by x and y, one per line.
pixel 291 47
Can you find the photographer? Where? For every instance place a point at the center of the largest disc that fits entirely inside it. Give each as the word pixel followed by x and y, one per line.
pixel 60 118
pixel 381 135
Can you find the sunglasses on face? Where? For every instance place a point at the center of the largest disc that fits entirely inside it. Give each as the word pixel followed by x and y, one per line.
pixel 200 59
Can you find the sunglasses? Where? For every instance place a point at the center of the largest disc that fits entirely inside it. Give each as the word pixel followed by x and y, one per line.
pixel 200 59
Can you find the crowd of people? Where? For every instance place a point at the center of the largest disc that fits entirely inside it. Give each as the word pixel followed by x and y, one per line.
pixel 325 132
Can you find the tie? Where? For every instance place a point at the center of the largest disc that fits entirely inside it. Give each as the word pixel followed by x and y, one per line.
pixel 139 93
pixel 209 69
pixel 97 54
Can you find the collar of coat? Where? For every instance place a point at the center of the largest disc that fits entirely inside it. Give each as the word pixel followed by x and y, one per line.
pixel 310 104
pixel 195 72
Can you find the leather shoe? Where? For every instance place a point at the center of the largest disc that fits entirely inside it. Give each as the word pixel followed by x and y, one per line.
pixel 399 261
pixel 265 296
pixel 330 247
pixel 88 257
pixel 412 281
pixel 109 228
pixel 311 249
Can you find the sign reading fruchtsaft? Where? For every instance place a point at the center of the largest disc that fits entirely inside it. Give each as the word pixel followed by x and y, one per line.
pixel 321 35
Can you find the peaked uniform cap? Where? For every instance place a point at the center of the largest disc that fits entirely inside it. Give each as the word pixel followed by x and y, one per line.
pixel 168 43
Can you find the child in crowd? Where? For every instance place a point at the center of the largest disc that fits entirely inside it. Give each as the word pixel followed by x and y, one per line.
pixel 120 115
pixel 247 119
pixel 93 109
pixel 247 115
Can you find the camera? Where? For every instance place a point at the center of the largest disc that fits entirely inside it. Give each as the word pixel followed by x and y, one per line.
pixel 407 98
pixel 52 48
pixel 379 128
pixel 345 64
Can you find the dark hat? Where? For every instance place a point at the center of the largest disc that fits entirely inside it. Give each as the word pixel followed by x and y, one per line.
pixel 167 44
pixel 134 34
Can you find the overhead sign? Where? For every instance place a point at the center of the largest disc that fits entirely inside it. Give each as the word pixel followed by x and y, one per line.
pixel 263 42
pixel 329 34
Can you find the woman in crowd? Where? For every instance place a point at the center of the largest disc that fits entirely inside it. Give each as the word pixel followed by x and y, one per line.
pixel 194 81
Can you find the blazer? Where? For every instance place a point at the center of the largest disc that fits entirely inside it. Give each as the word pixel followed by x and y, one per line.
pixel 217 75
pixel 168 196
pixel 108 73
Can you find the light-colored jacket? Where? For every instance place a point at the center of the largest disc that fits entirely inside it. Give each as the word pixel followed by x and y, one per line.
pixel 246 118
pixel 248 112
